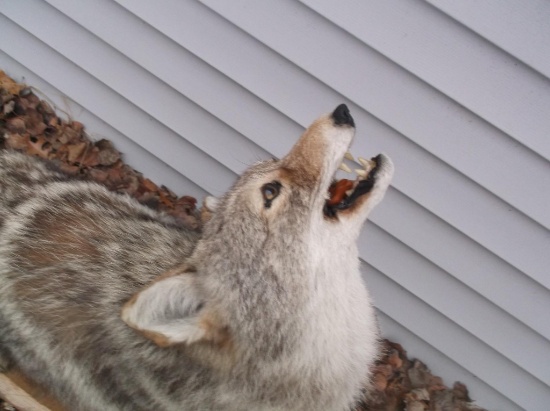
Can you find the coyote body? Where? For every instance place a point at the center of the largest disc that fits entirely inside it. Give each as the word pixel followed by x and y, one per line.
pixel 111 306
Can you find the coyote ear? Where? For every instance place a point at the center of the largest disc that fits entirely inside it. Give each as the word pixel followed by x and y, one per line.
pixel 171 311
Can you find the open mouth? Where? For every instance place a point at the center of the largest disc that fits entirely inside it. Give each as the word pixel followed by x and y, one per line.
pixel 344 193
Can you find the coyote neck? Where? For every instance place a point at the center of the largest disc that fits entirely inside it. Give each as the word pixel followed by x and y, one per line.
pixel 342 327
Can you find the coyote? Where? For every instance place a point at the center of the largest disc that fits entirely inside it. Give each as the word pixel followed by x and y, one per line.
pixel 108 305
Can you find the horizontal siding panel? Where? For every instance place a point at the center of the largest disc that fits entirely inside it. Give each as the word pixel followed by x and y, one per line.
pixel 520 28
pixel 139 158
pixel 294 34
pixel 456 61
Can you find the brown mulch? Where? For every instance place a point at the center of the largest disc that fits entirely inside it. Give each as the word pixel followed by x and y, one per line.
pixel 400 384
pixel 32 125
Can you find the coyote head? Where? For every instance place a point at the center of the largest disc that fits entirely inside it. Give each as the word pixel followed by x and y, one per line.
pixel 291 194
pixel 282 226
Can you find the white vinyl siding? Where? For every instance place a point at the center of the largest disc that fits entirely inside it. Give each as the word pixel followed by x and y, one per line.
pixel 457 93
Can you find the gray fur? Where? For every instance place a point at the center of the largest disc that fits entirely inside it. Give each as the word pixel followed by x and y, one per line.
pixel 283 284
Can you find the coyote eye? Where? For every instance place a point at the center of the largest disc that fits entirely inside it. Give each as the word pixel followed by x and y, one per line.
pixel 270 191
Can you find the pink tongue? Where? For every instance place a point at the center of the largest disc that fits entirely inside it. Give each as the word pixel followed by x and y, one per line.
pixel 338 190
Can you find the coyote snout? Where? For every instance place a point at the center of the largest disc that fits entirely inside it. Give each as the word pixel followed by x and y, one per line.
pixel 265 311
pixel 315 159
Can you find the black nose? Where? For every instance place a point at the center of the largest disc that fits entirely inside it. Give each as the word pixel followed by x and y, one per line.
pixel 342 116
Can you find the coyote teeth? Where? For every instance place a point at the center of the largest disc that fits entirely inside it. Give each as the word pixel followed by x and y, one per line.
pixel 349 156
pixel 361 173
pixel 364 162
pixel 368 164
pixel 344 167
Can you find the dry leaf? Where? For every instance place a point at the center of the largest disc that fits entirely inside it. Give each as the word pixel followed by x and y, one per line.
pixel 16 125
pixel 38 146
pixel 75 151
pixel 10 85
pixel 16 141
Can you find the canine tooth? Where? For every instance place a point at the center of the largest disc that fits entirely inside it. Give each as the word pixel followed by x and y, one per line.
pixel 349 156
pixel 348 193
pixel 360 172
pixel 344 167
pixel 364 162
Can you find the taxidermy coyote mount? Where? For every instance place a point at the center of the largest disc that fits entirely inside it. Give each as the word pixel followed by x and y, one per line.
pixel 109 305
